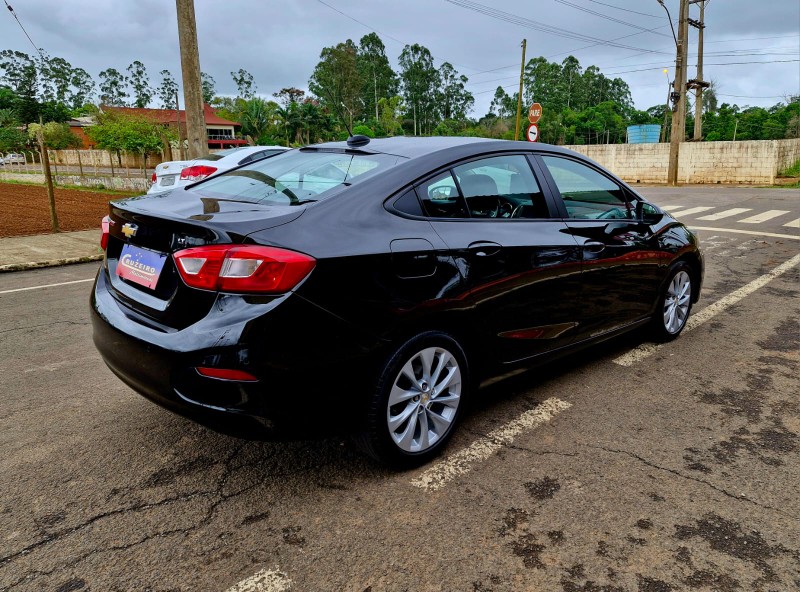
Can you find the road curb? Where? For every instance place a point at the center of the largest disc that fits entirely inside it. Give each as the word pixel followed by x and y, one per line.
pixel 52 263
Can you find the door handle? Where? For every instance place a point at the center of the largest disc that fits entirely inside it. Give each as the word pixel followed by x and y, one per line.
pixel 484 248
pixel 593 246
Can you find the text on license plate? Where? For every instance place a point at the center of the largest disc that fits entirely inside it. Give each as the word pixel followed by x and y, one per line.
pixel 141 266
pixel 168 180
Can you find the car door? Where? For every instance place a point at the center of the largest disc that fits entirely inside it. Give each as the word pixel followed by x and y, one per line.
pixel 621 255
pixel 520 264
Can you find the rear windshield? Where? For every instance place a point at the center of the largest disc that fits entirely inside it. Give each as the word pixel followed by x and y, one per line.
pixel 296 177
pixel 219 154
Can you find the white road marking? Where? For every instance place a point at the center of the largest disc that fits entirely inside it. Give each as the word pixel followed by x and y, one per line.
pixel 461 462
pixel 267 580
pixel 691 211
pixel 793 224
pixel 725 214
pixel 763 217
pixel 45 286
pixel 750 232
pixel 647 349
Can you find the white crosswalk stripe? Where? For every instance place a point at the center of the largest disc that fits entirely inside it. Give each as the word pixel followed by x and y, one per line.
pixel 690 211
pixel 763 216
pixel 725 214
pixel 793 224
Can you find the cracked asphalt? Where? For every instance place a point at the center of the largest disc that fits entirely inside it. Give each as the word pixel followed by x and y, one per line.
pixel 679 472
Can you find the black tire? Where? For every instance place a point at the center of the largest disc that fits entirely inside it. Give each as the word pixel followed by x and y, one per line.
pixel 377 439
pixel 661 328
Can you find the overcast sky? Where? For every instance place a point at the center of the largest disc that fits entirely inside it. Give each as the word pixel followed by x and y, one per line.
pixel 279 42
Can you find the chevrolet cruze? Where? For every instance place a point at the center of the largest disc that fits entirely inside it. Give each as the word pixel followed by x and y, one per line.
pixel 370 287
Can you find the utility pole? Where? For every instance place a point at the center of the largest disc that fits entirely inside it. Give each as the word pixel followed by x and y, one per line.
pixel 679 94
pixel 192 85
pixel 519 98
pixel 698 84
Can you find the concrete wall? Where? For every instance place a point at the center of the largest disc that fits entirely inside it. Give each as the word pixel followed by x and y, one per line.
pixel 136 184
pixel 757 161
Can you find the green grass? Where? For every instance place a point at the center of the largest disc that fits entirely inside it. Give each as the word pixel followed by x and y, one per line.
pixel 792 171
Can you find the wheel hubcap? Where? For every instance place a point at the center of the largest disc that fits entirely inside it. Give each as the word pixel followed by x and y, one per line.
pixel 424 399
pixel 677 302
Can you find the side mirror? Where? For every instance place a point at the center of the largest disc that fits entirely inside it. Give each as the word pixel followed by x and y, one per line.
pixel 648 213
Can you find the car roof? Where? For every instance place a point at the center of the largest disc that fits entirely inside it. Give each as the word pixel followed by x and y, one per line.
pixel 414 147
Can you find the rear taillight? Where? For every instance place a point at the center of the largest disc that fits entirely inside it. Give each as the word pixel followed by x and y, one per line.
pixel 243 268
pixel 105 225
pixel 197 172
pixel 153 179
pixel 226 374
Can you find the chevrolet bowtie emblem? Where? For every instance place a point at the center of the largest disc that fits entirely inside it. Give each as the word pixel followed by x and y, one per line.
pixel 129 230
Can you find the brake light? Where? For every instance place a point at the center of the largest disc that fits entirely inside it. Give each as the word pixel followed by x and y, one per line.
pixel 105 226
pixel 243 268
pixel 197 172
pixel 226 374
pixel 153 179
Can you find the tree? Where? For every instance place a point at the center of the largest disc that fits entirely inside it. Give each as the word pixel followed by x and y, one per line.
pixel 257 117
pixel 454 100
pixel 140 83
pixel 389 112
pixel 12 139
pixel 116 131
pixel 502 104
pixel 57 136
pixel 167 91
pixel 245 83
pixel 18 70
pixel 81 88
pixel 289 95
pixel 55 76
pixel 209 87
pixel 378 79
pixel 113 88
pixel 419 85
pixel 335 80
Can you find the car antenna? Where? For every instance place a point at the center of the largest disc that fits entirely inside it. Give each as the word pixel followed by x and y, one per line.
pixel 352 141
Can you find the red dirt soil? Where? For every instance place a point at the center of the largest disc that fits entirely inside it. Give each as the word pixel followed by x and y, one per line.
pixel 25 209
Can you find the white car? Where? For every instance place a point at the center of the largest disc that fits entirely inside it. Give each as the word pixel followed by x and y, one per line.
pixel 179 173
pixel 12 158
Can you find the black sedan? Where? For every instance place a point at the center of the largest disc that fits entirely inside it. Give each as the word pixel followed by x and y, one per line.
pixel 372 286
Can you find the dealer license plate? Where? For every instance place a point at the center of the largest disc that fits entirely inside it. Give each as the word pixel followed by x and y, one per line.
pixel 141 266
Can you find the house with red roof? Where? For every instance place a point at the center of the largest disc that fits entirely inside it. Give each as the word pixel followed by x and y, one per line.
pixel 221 132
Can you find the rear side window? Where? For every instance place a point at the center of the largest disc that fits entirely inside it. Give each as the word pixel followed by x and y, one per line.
pixel 441 199
pixel 586 193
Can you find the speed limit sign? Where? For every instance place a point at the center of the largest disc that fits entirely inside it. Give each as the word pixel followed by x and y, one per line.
pixel 533 133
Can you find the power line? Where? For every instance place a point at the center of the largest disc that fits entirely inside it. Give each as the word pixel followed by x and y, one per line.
pixel 16 18
pixel 542 27
pixel 605 16
pixel 658 16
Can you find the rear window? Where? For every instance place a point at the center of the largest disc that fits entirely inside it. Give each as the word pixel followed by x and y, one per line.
pixel 296 177
pixel 219 154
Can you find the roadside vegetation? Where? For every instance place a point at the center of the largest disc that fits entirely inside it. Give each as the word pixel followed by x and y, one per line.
pixel 354 86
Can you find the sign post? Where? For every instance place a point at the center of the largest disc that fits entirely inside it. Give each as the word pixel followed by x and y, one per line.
pixel 534 115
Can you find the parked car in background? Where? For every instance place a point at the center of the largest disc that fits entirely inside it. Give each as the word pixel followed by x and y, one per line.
pixel 373 286
pixel 179 173
pixel 12 158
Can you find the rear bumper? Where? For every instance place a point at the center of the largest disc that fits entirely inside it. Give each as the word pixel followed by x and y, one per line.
pixel 295 349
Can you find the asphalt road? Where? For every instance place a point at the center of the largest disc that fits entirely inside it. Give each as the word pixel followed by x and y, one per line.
pixel 626 468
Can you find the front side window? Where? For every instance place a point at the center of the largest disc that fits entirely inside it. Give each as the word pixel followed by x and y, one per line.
pixel 501 187
pixel 586 193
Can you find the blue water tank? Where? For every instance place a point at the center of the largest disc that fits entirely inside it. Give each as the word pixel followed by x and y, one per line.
pixel 644 134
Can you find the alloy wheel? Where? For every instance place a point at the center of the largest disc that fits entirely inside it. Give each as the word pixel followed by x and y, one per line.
pixel 677 302
pixel 424 399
